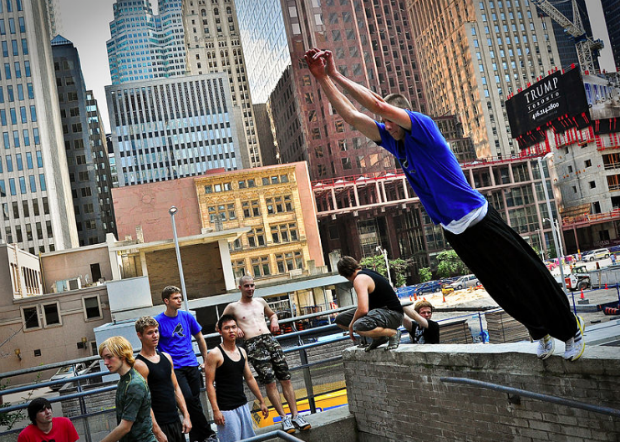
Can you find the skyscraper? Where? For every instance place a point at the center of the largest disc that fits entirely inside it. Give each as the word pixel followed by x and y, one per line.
pixel 171 128
pixel 481 53
pixel 213 45
pixel 611 9
pixel 144 45
pixel 264 41
pixel 87 157
pixel 372 45
pixel 35 192
pixel 54 18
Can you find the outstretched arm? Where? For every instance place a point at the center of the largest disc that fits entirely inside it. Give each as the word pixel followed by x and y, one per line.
pixel 367 98
pixel 319 68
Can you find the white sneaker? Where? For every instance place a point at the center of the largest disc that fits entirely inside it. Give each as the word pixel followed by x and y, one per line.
pixel 546 346
pixel 300 423
pixel 576 345
pixel 287 425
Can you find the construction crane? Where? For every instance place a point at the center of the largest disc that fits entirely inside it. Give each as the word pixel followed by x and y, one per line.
pixel 585 46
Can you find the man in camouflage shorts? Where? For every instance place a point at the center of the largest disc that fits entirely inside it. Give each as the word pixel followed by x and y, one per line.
pixel 264 352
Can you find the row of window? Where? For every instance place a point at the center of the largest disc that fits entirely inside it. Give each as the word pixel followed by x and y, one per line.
pixel 25 212
pixel 11 23
pixel 251 209
pixel 10 90
pixel 29 233
pixel 30 279
pixel 23 116
pixel 243 184
pixel 49 315
pixel 23 188
pixel 261 266
pixel 20 163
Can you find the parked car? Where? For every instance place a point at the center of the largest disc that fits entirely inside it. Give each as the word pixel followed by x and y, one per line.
pixel 464 282
pixel 592 255
pixel 67 372
pixel 428 287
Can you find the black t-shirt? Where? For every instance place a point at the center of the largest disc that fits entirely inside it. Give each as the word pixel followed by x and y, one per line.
pixel 420 335
pixel 383 296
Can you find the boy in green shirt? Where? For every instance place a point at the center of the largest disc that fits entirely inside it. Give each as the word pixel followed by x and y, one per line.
pixel 133 398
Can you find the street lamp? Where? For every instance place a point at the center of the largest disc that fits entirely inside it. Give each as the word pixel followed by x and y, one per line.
pixel 387 264
pixel 556 241
pixel 173 210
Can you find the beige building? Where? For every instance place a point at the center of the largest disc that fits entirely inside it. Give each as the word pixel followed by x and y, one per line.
pixel 483 52
pixel 277 204
pixel 213 45
pixel 49 306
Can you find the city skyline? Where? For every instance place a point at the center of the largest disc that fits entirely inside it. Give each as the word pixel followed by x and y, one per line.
pixel 90 36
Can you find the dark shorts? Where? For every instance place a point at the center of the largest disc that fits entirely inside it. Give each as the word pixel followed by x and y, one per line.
pixel 267 358
pixel 173 431
pixel 378 317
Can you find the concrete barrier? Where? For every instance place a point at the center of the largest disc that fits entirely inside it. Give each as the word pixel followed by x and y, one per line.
pixel 398 395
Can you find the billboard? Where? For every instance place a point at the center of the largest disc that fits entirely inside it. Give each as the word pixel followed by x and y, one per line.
pixel 557 101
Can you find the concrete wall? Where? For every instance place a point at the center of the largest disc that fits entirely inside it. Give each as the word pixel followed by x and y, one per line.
pixel 398 395
pixel 202 268
pixel 49 343
pixel 72 263
pixel 147 205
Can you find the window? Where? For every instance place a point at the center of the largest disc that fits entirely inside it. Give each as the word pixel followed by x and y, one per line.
pixel 51 314
pixel 284 233
pixel 223 212
pixel 92 308
pixel 238 268
pixel 256 237
pixel 30 317
pixel 260 266
pixel 279 204
pixel 588 163
pixel 289 261
pixel 250 209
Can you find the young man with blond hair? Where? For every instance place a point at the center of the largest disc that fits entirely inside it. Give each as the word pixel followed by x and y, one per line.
pixel 158 370
pixel 133 398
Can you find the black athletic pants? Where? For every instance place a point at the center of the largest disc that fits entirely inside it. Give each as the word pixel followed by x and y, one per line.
pixel 190 383
pixel 515 277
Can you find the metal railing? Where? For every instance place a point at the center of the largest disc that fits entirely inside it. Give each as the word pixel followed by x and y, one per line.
pixel 278 433
pixel 517 393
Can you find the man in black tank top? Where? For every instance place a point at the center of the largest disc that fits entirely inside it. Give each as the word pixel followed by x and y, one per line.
pixel 379 312
pixel 226 367
pixel 157 368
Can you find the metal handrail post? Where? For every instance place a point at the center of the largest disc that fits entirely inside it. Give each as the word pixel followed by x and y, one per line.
pixel 303 358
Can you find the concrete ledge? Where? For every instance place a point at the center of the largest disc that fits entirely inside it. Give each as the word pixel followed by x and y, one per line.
pixel 336 425
pixel 385 388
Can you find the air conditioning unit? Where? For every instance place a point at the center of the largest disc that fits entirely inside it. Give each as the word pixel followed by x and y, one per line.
pixel 68 284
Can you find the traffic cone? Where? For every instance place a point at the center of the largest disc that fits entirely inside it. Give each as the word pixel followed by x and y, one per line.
pixel 415 297
pixel 444 297
pixel 605 286
pixel 410 298
pixel 582 297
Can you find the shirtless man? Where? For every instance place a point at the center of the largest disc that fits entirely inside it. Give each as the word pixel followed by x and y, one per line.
pixel 264 351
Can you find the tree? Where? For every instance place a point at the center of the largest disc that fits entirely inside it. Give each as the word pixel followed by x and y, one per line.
pixel 449 264
pixel 425 274
pixel 398 268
